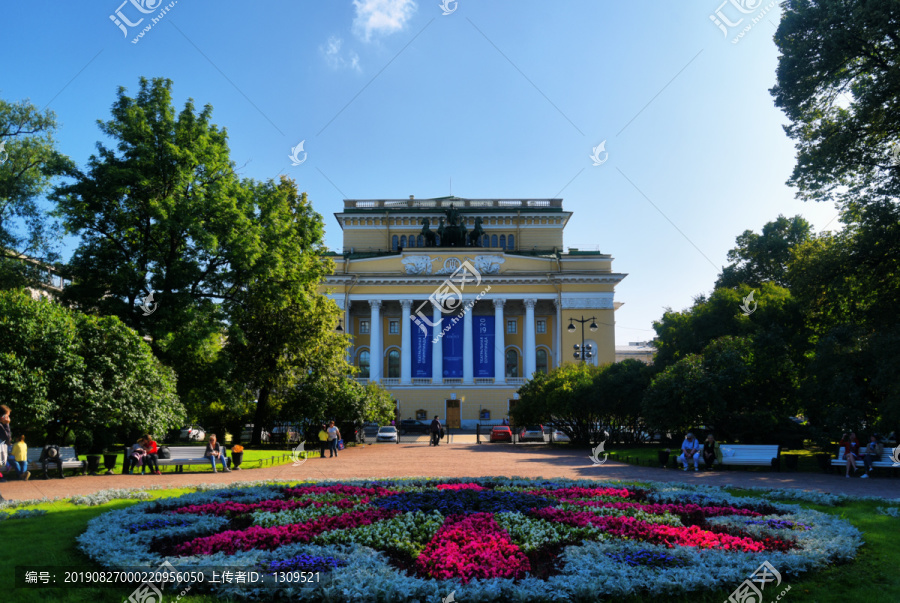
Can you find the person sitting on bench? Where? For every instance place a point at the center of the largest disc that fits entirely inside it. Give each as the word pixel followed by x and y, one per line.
pixel 690 449
pixel 50 455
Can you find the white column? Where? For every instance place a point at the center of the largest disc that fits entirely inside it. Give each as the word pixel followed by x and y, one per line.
pixel 528 343
pixel 468 353
pixel 405 342
pixel 499 342
pixel 557 334
pixel 376 348
pixel 437 348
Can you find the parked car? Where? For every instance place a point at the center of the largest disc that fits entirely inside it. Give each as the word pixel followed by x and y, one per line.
pixel 501 433
pixel 387 433
pixel 194 433
pixel 413 426
pixel 559 436
pixel 352 432
pixel 532 432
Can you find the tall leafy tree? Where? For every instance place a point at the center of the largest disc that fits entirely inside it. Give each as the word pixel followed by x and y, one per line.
pixel 29 160
pixel 838 82
pixel 763 258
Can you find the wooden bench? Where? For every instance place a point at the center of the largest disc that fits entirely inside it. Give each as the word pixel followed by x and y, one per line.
pixel 181 456
pixel 885 461
pixel 66 454
pixel 761 455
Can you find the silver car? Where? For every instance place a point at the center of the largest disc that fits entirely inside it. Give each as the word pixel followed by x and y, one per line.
pixel 388 433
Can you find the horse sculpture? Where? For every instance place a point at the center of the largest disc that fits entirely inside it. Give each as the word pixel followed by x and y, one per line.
pixel 428 233
pixel 476 234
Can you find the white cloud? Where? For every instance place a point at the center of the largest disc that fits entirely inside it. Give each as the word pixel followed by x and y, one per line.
pixel 337 59
pixel 381 16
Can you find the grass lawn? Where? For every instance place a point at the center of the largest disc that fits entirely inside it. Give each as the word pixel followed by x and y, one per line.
pixel 49 541
pixel 253 459
pixel 646 455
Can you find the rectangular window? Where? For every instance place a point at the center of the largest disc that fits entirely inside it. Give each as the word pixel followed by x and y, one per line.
pixel 363 327
pixel 511 327
pixel 541 325
pixel 393 327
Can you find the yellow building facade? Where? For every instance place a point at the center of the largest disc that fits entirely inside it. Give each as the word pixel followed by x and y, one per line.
pixel 451 304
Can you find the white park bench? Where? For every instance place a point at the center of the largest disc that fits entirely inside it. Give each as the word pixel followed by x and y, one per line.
pixel 885 461
pixel 184 455
pixel 764 455
pixel 66 454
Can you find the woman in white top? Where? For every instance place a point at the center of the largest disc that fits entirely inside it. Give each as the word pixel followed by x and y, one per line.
pixel 334 434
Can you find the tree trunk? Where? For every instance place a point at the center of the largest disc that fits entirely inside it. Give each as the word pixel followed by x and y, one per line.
pixel 261 417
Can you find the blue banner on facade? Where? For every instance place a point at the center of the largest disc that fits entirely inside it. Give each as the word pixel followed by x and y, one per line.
pixel 483 340
pixel 453 347
pixel 421 353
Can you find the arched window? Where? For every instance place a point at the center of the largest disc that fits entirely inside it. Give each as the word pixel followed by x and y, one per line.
pixel 437 240
pixel 393 364
pixel 421 240
pixel 512 363
pixel 412 240
pixel 403 241
pixel 502 241
pixel 486 240
pixel 395 241
pixel 542 364
pixel 364 364
pixel 511 242
pixel 493 240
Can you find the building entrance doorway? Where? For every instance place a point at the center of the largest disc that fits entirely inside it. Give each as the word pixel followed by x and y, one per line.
pixel 453 418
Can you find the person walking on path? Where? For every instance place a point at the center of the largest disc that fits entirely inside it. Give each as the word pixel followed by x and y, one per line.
pixel 5 439
pixel 214 451
pixel 334 434
pixel 437 431
pixel 20 458
pixel 323 440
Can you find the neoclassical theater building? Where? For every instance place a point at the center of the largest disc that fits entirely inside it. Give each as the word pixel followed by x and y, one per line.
pixel 451 304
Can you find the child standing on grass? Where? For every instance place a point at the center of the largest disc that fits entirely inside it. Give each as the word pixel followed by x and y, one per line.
pixel 20 458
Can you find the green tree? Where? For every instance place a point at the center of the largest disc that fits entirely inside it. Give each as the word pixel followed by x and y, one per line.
pixel 761 258
pixel 29 161
pixel 70 374
pixel 838 82
pixel 742 387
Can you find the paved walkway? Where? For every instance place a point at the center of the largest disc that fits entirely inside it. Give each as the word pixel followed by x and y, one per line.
pixel 417 460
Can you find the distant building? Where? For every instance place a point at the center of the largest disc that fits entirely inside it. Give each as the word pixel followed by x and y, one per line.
pixel 407 263
pixel 636 350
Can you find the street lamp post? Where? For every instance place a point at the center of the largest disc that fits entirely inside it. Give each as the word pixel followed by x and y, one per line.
pixel 340 326
pixel 583 351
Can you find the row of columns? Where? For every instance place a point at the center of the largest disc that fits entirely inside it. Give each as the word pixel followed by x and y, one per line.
pixel 376 358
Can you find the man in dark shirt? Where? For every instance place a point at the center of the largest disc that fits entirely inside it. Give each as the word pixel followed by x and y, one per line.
pixel 437 431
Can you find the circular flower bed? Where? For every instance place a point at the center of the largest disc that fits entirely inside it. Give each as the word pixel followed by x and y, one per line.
pixel 484 538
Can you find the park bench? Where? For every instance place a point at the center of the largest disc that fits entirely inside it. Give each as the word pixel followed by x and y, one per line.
pixel 763 455
pixel 181 456
pixel 66 454
pixel 886 460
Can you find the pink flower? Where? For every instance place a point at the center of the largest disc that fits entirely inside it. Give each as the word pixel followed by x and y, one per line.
pixel 472 546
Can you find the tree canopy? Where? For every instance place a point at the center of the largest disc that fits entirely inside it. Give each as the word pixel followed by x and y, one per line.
pixel 68 374
pixel 838 82
pixel 29 160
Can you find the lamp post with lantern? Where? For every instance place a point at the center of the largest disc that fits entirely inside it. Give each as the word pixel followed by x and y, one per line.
pixel 583 352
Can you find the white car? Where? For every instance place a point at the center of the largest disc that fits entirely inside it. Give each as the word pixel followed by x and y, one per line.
pixel 194 433
pixel 388 433
pixel 559 436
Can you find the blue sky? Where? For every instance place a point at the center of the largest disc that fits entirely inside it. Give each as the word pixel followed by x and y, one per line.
pixel 394 98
